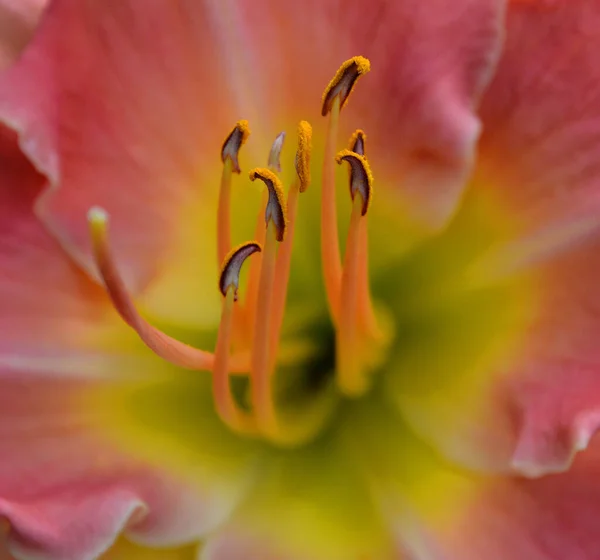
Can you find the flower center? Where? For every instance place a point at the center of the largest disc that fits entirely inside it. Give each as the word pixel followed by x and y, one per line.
pixel 253 327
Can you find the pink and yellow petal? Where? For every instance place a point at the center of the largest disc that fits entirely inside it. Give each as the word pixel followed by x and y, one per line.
pixel 537 157
pixel 68 491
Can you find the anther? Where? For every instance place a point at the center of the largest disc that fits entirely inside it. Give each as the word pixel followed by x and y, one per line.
pixel 303 154
pixel 357 142
pixel 361 179
pixel 232 264
pixel 275 153
pixel 343 82
pixel 231 147
pixel 166 347
pixel 276 210
pixel 229 155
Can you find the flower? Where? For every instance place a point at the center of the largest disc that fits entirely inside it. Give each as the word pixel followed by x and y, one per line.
pixel 438 417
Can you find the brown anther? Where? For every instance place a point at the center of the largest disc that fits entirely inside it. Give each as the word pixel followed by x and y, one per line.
pixel 231 147
pixel 232 264
pixel 361 179
pixel 303 154
pixel 357 142
pixel 276 206
pixel 343 82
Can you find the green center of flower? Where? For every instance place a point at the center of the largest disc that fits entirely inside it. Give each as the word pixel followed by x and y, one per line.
pixel 253 327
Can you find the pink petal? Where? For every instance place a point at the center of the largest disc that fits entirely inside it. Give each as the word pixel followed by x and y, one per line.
pixel 39 286
pixel 68 494
pixel 539 152
pixel 116 114
pixel 541 113
pixel 553 518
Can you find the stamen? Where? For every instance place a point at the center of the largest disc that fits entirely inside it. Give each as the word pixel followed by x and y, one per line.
pixel 343 82
pixel 348 348
pixel 357 142
pixel 284 256
pixel 227 408
pixel 276 207
pixel 334 97
pixel 163 345
pixel 303 154
pixel 366 313
pixel 361 179
pixel 275 153
pixel 229 157
pixel 276 219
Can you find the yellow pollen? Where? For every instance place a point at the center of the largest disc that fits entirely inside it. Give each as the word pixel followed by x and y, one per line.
pixel 276 206
pixel 357 143
pixel 361 178
pixel 236 139
pixel 303 154
pixel 343 82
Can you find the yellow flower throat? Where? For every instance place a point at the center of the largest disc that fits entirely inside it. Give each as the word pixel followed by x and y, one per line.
pixel 253 326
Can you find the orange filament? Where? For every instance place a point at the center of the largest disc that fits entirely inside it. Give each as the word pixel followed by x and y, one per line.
pixel 227 408
pixel 229 156
pixel 254 275
pixel 223 212
pixel 330 249
pixel 349 372
pixel 260 372
pixel 366 313
pixel 163 345
pixel 282 275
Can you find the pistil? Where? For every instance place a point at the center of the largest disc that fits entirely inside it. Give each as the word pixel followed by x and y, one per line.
pixel 163 345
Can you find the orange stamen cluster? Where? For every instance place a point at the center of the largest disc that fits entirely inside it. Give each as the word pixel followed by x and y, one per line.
pixel 262 313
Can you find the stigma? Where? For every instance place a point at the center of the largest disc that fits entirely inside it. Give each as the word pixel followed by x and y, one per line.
pixel 258 312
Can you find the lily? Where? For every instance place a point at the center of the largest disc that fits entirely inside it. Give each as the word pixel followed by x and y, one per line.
pixel 301 281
